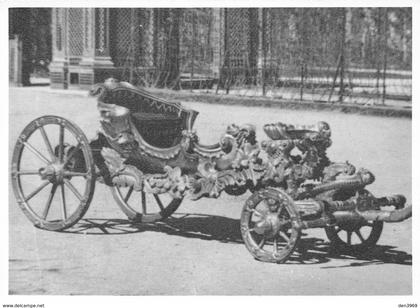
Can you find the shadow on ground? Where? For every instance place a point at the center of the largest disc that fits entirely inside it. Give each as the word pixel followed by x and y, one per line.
pixel 310 250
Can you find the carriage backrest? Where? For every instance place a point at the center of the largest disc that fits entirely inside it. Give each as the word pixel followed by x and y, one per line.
pixel 159 121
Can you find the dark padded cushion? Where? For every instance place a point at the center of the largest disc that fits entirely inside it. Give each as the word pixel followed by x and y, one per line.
pixel 158 129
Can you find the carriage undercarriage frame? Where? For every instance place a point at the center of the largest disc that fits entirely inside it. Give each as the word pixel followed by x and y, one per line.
pixel 147 148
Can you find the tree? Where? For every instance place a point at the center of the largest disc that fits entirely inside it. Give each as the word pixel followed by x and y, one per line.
pixel 33 27
pixel 252 72
pixel 169 69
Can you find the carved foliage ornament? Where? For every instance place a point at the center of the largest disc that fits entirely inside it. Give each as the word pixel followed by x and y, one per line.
pixel 239 162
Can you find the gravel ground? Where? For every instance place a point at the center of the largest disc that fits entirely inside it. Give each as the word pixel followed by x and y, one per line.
pixel 200 250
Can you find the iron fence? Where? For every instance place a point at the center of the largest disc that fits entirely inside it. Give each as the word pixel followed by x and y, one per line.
pixel 355 55
pixel 360 55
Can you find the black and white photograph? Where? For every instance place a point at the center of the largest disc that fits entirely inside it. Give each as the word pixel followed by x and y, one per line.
pixel 209 150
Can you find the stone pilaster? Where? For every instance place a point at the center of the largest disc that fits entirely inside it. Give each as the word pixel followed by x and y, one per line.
pixel 96 64
pixel 59 64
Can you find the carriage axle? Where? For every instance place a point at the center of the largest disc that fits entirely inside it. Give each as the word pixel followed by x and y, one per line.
pixel 357 211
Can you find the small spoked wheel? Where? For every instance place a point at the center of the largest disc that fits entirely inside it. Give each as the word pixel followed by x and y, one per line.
pixel 53 173
pixel 141 207
pixel 270 225
pixel 355 236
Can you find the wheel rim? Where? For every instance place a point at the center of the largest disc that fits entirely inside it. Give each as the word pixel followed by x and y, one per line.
pixel 142 207
pixel 277 242
pixel 43 166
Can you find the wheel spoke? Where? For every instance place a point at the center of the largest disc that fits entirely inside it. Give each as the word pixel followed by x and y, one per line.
pixel 258 213
pixel 70 156
pixel 63 202
pixel 36 152
pixel 130 191
pixel 360 235
pixel 158 202
pixel 27 172
pixel 32 194
pixel 47 143
pixel 73 173
pixel 61 144
pixel 143 202
pixel 286 222
pixel 338 230
pixel 261 243
pixel 49 201
pixel 275 249
pixel 349 237
pixel 284 236
pixel 73 189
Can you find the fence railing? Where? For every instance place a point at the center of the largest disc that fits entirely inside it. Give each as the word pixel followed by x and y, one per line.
pixel 349 55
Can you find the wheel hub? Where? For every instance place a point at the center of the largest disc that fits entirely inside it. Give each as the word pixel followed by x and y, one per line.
pixel 53 172
pixel 270 224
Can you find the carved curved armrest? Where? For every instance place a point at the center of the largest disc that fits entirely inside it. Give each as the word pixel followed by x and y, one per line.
pixel 217 150
pixel 210 147
pixel 209 151
pixel 279 131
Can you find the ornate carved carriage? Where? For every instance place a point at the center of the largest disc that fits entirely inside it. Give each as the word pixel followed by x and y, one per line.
pixel 147 148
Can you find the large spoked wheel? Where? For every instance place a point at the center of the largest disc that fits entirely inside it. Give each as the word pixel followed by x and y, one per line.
pixel 270 225
pixel 355 236
pixel 52 157
pixel 141 207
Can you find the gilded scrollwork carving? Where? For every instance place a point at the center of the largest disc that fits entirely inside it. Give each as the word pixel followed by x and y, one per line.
pixel 172 182
pixel 122 174
pixel 292 155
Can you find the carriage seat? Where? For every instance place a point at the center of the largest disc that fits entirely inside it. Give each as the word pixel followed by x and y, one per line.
pixel 159 122
pixel 157 129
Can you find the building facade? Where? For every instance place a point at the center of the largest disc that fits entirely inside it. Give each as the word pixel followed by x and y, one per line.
pixel 92 44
